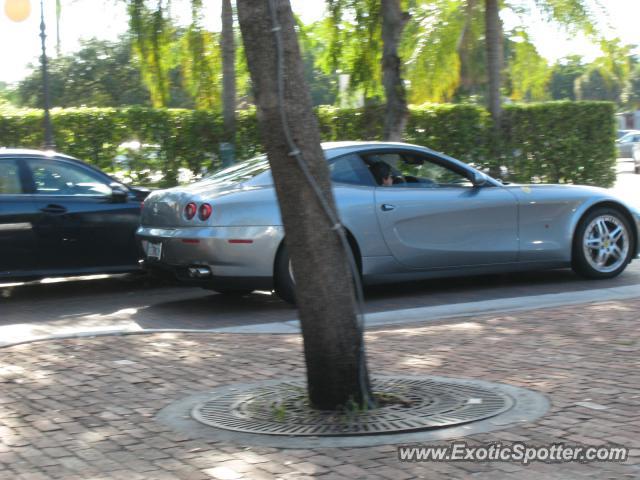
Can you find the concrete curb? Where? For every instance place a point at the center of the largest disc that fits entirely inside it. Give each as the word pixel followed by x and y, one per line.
pixel 427 314
pixel 380 319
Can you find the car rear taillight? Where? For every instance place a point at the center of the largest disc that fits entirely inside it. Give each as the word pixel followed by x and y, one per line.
pixel 190 210
pixel 205 211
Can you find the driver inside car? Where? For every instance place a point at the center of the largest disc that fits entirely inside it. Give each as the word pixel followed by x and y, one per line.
pixel 382 173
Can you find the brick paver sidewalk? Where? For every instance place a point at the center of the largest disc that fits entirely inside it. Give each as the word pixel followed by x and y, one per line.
pixel 85 408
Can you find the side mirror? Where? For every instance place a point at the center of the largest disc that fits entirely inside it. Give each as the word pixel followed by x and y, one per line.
pixel 119 193
pixel 479 179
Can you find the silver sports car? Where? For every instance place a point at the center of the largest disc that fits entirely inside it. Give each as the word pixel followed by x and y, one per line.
pixel 410 213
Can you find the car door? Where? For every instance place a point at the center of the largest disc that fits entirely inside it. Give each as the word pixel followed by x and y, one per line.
pixel 81 225
pixel 433 217
pixel 17 215
pixel 353 189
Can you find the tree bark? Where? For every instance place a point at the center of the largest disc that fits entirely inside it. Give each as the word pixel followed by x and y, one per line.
pixel 227 45
pixel 493 38
pixel 397 112
pixel 463 47
pixel 333 344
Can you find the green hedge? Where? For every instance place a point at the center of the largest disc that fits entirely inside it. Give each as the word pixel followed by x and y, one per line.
pixel 561 142
pixel 570 142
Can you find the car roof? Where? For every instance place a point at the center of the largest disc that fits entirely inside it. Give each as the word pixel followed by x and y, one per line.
pixel 629 133
pixel 28 152
pixel 337 148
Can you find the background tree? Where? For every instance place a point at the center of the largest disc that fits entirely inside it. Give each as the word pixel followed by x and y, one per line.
pixel 633 101
pixel 574 15
pixel 598 84
pixel 563 77
pixel 396 110
pixel 100 74
pixel 352 30
pixel 336 367
pixel 200 59
pixel 609 76
pixel 153 42
pixel 493 44
pixel 528 72
pixel 209 68
pixel 438 39
pixel 228 48
pixel 355 46
pixel 322 86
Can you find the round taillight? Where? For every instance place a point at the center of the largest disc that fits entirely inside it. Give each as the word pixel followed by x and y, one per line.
pixel 205 211
pixel 190 210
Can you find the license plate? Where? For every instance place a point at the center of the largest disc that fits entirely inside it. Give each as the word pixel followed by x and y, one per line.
pixel 153 250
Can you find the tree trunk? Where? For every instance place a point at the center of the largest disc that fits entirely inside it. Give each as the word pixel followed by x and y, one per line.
pixel 227 45
pixel 397 113
pixel 333 343
pixel 493 39
pixel 463 47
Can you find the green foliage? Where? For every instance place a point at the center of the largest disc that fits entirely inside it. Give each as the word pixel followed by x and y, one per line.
pixel 598 84
pixel 153 47
pixel 563 78
pixel 322 86
pixel 353 31
pixel 201 60
pixel 430 49
pixel 529 73
pixel 574 15
pixel 100 74
pixel 560 142
pixel 569 142
pixel 633 99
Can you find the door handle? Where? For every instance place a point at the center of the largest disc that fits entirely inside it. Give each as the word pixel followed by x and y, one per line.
pixel 54 209
pixel 385 207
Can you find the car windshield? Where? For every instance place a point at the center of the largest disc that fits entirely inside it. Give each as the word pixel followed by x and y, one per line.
pixel 240 172
pixel 628 137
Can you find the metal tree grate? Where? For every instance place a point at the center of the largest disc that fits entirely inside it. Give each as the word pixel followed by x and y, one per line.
pixel 419 404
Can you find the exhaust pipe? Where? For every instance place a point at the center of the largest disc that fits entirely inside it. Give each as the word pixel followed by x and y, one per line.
pixel 199 272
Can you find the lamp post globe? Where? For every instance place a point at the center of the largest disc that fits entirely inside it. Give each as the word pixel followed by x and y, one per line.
pixel 17 10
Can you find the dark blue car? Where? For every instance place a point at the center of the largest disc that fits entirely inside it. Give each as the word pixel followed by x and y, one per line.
pixel 60 216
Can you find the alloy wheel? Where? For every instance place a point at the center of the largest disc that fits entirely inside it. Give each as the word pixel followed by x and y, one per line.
pixel 606 243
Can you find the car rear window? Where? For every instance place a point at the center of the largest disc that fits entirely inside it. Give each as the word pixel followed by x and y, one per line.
pixel 9 178
pixel 240 172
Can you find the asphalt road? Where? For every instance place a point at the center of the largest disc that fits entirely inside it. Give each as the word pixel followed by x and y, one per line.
pixel 112 301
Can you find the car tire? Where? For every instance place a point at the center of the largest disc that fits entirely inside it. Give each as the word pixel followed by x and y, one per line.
pixel 603 244
pixel 283 282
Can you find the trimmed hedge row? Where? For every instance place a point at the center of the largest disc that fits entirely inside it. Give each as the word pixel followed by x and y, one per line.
pixel 570 142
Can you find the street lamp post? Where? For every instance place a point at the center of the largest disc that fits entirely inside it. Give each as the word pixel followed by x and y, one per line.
pixel 49 144
pixel 18 10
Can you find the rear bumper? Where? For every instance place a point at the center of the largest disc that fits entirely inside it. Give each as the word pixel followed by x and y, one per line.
pixel 181 274
pixel 229 255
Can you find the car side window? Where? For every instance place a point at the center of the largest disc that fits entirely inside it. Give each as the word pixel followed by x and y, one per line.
pixel 350 169
pixel 424 169
pixel 419 171
pixel 58 178
pixel 10 183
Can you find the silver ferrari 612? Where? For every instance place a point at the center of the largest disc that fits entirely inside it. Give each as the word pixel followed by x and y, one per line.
pixel 410 213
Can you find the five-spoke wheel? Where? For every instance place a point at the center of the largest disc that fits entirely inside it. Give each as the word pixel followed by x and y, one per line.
pixel 603 244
